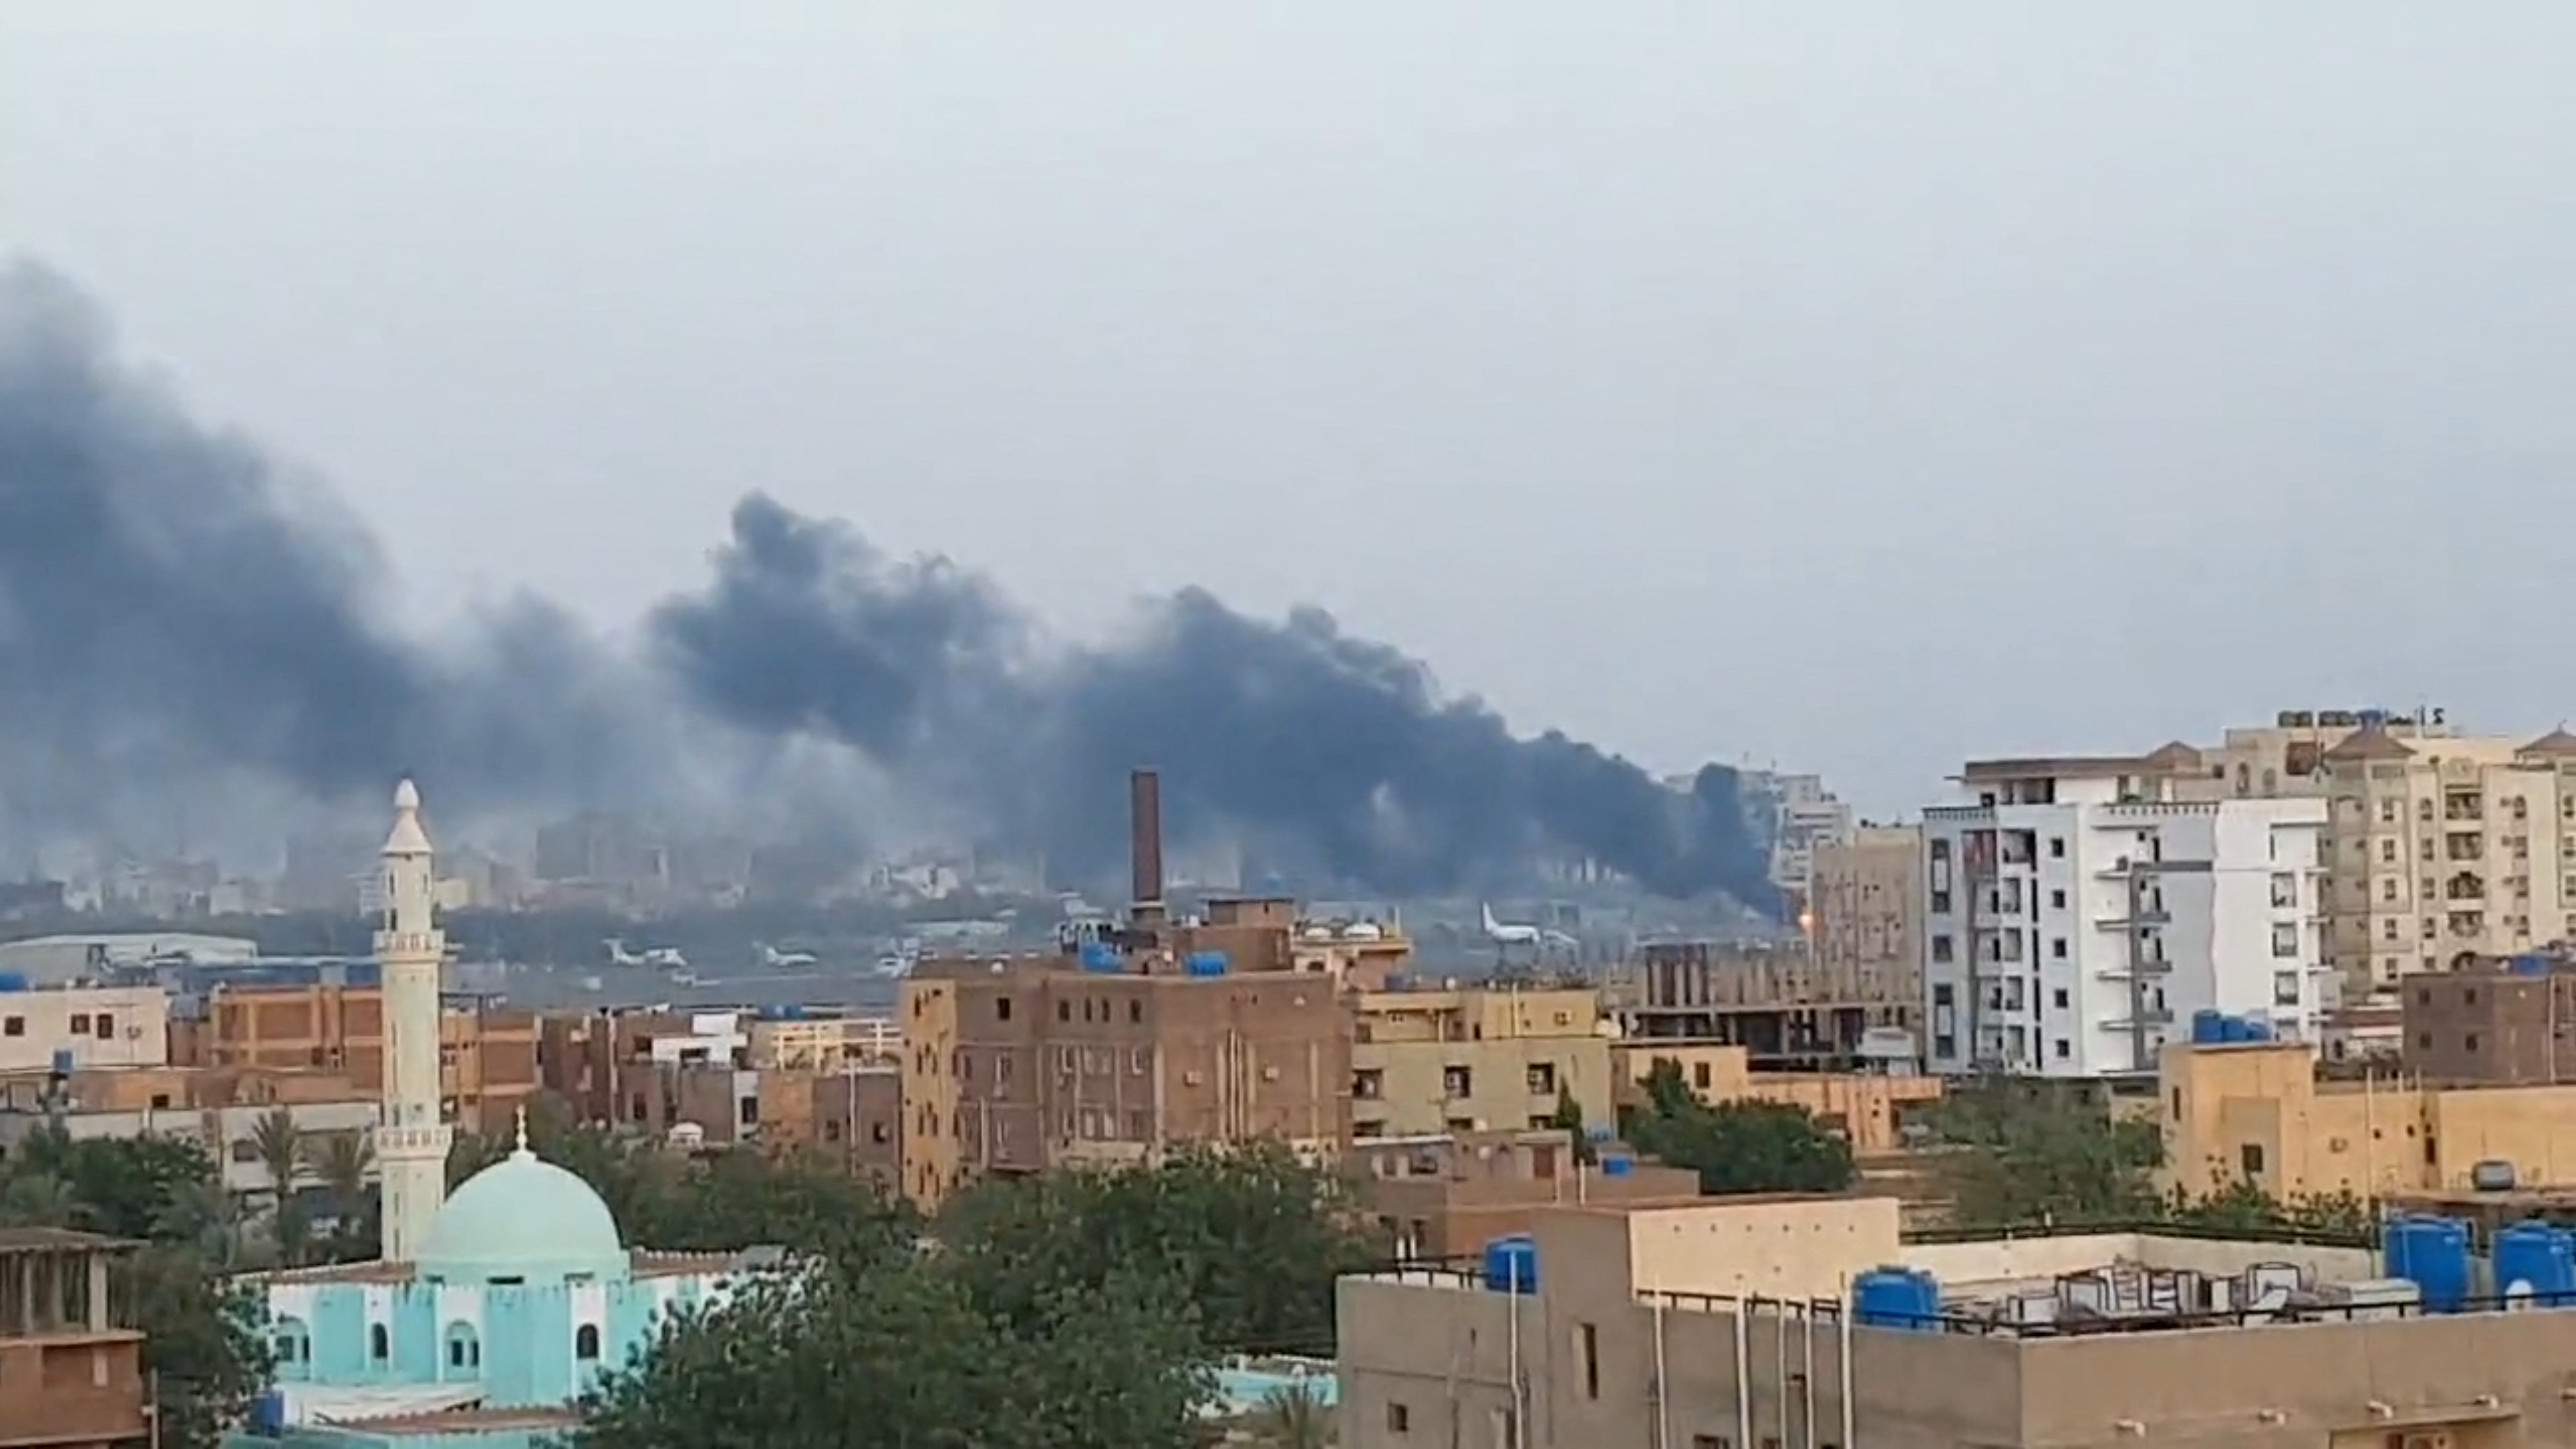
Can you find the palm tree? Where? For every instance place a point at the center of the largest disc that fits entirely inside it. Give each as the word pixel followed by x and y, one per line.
pixel 342 1161
pixel 1294 1416
pixel 208 1218
pixel 280 1146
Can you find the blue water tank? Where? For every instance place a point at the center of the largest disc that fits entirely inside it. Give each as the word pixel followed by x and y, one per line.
pixel 2433 1254
pixel 2208 1027
pixel 62 1061
pixel 1618 1166
pixel 13 980
pixel 1906 1298
pixel 2257 1030
pixel 1098 956
pixel 1204 963
pixel 268 1416
pixel 2535 1263
pixel 2530 966
pixel 773 1013
pixel 1511 1264
pixel 793 1012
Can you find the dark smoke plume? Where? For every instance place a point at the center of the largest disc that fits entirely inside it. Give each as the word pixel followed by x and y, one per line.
pixel 174 605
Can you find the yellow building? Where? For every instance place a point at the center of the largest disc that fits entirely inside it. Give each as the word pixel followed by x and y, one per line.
pixel 1864 1108
pixel 1480 1059
pixel 2255 1112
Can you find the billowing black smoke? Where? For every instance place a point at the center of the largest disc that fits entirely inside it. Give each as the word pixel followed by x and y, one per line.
pixel 172 604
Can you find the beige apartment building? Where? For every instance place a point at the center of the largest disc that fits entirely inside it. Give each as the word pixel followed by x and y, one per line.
pixel 1866 918
pixel 1426 1063
pixel 100 1026
pixel 1723 1325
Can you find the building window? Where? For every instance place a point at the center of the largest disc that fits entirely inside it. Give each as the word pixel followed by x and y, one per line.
pixel 1135 1010
pixel 1699 1075
pixel 2064 1049
pixel 2057 900
pixel 463 1351
pixel 1587 1346
pixel 585 1342
pixel 2057 847
pixel 80 1023
pixel 1001 1008
pixel 380 1343
pixel 1399 1419
pixel 1457 1082
pixel 2251 1157
pixel 2057 998
pixel 1942 949
pixel 2285 940
pixel 1064 1010
pixel 1940 903
pixel 1542 1079
pixel 14 1026
pixel 2057 948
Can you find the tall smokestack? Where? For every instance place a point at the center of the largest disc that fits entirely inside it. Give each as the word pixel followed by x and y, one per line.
pixel 1145 836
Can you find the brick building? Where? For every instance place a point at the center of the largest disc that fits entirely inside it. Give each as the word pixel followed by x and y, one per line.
pixel 487 1056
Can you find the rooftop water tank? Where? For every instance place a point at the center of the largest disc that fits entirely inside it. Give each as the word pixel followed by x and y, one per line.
pixel 2528 965
pixel 1902 1298
pixel 2256 1030
pixel 13 980
pixel 1618 1166
pixel 1204 963
pixel 1511 1264
pixel 2208 1027
pixel 62 1061
pixel 1098 957
pixel 2431 1252
pixel 2535 1266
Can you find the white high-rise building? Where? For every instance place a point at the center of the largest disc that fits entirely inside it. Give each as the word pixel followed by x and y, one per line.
pixel 2076 915
pixel 412 1139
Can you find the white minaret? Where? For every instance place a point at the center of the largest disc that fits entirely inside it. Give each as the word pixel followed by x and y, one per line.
pixel 411 1142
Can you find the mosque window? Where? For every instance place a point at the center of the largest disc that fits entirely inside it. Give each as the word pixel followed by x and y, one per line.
pixel 585 1342
pixel 380 1344
pixel 463 1352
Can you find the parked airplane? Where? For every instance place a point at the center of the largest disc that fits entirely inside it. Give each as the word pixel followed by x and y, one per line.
pixel 655 956
pixel 1502 935
pixel 775 959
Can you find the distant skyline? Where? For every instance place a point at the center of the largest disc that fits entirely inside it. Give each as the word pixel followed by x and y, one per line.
pixel 1849 390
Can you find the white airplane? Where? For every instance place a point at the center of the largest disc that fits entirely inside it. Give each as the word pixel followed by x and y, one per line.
pixel 668 956
pixel 1502 935
pixel 775 959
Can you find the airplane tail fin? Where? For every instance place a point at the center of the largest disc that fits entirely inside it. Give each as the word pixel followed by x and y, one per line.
pixel 1490 924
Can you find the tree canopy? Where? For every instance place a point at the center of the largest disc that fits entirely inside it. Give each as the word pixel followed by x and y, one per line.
pixel 1736 1147
pixel 1076 1308
pixel 204 1337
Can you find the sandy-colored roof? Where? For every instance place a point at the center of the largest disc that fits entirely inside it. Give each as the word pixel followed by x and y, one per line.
pixel 2368 743
pixel 2558 744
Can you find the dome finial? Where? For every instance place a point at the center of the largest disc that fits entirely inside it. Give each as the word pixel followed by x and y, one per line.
pixel 523 1149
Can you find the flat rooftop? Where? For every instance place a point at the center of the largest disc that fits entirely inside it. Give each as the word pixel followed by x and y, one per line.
pixel 641 1263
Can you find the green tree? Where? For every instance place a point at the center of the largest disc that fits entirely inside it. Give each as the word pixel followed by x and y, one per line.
pixel 342 1162
pixel 205 1340
pixel 1737 1147
pixel 896 1351
pixel 1252 1236
pixel 2016 1158
pixel 1568 1118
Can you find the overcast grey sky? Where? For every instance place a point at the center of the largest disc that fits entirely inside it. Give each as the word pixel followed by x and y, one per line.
pixel 1858 386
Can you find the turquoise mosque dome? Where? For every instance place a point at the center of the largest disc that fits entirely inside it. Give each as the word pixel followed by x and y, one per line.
pixel 524 1220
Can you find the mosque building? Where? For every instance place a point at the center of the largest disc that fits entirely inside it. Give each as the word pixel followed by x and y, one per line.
pixel 493 1308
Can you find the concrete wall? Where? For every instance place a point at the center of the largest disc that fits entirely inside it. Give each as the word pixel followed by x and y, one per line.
pixel 105 1026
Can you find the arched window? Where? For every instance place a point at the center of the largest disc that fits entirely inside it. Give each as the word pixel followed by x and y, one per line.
pixel 380 1344
pixel 464 1350
pixel 293 1342
pixel 585 1342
